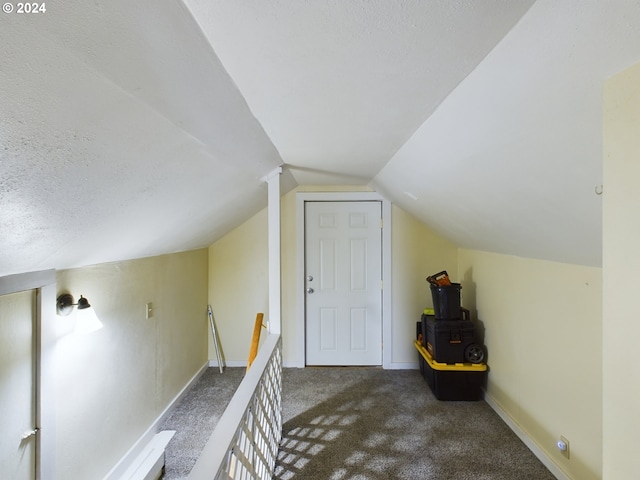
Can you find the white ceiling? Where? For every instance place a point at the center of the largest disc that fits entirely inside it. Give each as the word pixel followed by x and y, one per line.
pixel 339 86
pixel 130 129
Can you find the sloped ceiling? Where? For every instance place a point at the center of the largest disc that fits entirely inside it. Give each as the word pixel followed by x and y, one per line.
pixel 511 161
pixel 339 86
pixel 121 136
pixel 130 129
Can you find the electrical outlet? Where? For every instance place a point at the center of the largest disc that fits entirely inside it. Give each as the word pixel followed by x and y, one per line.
pixel 563 446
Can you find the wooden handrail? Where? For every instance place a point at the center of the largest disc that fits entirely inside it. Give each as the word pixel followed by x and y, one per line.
pixel 255 339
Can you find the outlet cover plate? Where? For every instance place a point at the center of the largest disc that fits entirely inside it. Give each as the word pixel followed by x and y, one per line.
pixel 567 451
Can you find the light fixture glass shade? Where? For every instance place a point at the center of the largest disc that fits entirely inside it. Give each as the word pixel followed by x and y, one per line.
pixel 87 321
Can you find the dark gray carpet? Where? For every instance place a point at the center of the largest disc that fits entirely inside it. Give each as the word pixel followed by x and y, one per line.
pixel 362 423
pixel 358 423
pixel 195 417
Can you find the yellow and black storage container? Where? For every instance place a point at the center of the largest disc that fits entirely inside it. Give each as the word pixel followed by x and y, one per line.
pixel 447 340
pixel 451 381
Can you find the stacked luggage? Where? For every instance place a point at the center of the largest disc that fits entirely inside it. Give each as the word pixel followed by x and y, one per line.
pixel 451 357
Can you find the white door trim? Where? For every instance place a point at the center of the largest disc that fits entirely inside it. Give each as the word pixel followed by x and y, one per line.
pixel 301 198
pixel 44 283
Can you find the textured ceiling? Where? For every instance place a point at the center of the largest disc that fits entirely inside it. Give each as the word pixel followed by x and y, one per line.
pixel 339 86
pixel 130 129
pixel 121 136
pixel 510 162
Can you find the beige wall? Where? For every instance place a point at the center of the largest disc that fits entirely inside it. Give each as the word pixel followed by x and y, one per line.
pixel 239 280
pixel 621 261
pixel 542 323
pixel 239 287
pixel 111 385
pixel 239 263
pixel 416 253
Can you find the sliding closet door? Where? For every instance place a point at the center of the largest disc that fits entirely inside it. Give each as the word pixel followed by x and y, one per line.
pixel 17 386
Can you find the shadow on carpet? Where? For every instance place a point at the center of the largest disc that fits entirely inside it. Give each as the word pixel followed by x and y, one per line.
pixel 359 423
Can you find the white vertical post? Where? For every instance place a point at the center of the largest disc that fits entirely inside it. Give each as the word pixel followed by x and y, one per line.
pixel 273 210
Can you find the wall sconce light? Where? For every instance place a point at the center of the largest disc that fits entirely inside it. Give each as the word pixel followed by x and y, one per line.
pixel 86 319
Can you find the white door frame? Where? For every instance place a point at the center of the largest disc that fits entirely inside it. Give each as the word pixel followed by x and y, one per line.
pixel 301 198
pixel 44 283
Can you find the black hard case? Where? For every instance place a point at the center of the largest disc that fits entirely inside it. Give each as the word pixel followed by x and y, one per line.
pixel 446 340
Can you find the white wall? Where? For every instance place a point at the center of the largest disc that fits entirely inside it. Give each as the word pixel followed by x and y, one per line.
pixel 111 385
pixel 542 323
pixel 621 261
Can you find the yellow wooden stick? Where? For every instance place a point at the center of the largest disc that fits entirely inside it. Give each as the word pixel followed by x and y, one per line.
pixel 255 340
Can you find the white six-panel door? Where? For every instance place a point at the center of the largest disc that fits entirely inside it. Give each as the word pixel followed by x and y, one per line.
pixel 343 282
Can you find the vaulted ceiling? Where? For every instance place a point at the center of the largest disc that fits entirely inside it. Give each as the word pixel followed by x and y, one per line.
pixel 130 129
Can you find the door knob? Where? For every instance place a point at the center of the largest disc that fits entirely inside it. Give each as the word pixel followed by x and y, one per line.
pixel 310 278
pixel 309 290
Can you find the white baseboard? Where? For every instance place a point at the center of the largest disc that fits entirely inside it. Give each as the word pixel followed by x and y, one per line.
pixel 229 363
pixel 547 461
pixel 147 437
pixel 391 366
pixel 402 366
